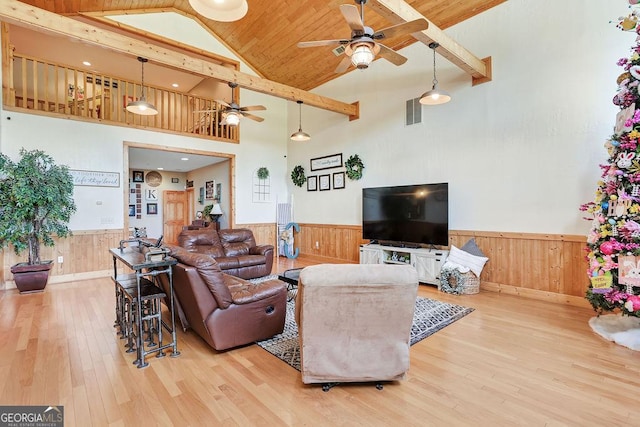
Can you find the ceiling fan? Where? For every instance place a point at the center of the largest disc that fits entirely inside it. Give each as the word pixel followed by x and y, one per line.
pixel 363 46
pixel 232 113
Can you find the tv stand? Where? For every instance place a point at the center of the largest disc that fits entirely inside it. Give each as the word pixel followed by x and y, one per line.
pixel 426 261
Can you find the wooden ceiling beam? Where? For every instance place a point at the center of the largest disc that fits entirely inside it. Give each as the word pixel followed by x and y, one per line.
pixel 21 14
pixel 398 11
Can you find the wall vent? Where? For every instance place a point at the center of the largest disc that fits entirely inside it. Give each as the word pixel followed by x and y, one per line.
pixel 414 112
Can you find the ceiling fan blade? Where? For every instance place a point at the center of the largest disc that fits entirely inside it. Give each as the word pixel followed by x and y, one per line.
pixel 391 55
pixel 317 43
pixel 219 101
pixel 352 16
pixel 401 29
pixel 252 117
pixel 204 111
pixel 253 108
pixel 343 65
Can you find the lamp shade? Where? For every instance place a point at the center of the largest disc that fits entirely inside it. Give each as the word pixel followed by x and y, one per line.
pixel 221 10
pixel 300 135
pixel 232 118
pixel 216 210
pixel 142 108
pixel 435 96
pixel 362 56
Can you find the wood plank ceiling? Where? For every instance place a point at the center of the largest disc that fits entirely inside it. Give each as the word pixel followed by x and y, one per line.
pixel 265 39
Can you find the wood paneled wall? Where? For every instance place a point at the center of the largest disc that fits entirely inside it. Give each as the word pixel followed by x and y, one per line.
pixel 541 266
pixel 85 255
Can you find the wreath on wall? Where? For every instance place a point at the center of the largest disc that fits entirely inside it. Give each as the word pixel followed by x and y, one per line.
pixel 263 173
pixel 297 176
pixel 354 167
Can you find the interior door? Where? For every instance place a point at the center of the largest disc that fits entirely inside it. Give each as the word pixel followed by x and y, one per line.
pixel 174 210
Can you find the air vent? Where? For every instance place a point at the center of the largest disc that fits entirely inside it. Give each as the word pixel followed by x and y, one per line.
pixel 414 112
pixel 339 50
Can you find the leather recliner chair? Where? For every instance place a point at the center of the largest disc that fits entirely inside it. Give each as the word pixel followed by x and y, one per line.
pixel 224 310
pixel 235 250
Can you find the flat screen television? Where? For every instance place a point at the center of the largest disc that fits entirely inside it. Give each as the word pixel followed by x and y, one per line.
pixel 406 215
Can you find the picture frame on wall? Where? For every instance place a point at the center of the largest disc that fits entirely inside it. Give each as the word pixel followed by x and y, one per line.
pixel 326 162
pixel 138 176
pixel 324 182
pixel 218 195
pixel 132 210
pixel 338 180
pixel 152 209
pixel 312 183
pixel 209 187
pixel 175 180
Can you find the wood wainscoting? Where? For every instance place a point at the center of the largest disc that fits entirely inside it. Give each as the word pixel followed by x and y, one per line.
pixel 264 233
pixel 541 266
pixel 85 255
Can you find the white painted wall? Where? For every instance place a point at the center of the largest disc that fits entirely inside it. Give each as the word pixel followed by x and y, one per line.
pixel 520 153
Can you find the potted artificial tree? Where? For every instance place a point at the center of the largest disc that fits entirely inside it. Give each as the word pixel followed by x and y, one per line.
pixel 36 204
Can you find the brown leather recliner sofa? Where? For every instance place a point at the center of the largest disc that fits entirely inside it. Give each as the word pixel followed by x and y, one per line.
pixel 224 310
pixel 234 250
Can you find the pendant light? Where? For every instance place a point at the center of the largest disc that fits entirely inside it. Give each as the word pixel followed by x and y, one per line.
pixel 221 10
pixel 300 135
pixel 435 96
pixel 142 107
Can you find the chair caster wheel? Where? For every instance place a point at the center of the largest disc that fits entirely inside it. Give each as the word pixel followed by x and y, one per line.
pixel 379 386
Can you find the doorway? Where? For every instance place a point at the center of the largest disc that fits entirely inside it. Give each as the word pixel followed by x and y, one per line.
pixel 165 196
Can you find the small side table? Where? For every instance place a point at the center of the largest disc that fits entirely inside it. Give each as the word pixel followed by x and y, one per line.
pixel 291 277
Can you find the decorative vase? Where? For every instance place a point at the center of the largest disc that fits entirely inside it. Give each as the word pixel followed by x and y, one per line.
pixel 31 278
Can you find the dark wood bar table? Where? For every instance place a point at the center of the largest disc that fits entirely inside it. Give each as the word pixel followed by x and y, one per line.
pixel 146 266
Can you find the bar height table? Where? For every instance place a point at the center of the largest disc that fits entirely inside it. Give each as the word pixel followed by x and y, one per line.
pixel 144 267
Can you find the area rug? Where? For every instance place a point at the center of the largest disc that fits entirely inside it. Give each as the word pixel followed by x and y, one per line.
pixel 623 330
pixel 429 317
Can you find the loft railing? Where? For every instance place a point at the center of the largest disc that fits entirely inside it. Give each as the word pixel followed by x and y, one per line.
pixel 35 84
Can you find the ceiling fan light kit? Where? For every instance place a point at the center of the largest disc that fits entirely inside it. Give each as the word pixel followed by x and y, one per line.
pixel 363 46
pixel 300 135
pixel 435 96
pixel 141 106
pixel 221 10
pixel 231 118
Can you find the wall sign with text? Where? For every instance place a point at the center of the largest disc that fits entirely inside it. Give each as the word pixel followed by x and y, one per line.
pixel 95 178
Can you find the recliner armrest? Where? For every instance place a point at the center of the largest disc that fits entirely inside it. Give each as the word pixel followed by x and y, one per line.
pixel 260 249
pixel 243 292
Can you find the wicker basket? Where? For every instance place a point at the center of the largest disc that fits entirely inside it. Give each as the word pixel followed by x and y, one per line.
pixel 452 281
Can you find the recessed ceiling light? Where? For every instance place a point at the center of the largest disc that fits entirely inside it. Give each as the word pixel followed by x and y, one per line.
pixel 174 84
pixel 160 169
pixel 184 158
pixel 87 63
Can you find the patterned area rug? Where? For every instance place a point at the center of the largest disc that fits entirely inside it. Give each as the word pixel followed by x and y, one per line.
pixel 429 317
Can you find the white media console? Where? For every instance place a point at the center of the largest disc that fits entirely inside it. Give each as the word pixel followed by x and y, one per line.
pixel 427 262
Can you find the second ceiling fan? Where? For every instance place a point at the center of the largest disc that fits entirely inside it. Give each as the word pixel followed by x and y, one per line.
pixel 363 46
pixel 232 112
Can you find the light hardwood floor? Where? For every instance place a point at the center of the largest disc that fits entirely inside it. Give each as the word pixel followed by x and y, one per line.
pixel 513 361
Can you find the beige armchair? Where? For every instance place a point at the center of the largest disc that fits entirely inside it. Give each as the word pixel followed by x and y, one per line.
pixel 354 322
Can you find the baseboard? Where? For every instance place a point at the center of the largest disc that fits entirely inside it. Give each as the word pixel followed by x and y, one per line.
pixel 535 294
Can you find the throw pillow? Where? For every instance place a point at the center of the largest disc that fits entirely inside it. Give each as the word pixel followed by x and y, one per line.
pixel 140 232
pixel 473 248
pixel 475 263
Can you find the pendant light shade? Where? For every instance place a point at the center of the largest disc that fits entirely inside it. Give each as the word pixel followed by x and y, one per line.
pixel 221 10
pixel 300 135
pixel 435 96
pixel 141 106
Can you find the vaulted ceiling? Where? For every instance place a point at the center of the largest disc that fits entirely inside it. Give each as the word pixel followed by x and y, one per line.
pixel 265 39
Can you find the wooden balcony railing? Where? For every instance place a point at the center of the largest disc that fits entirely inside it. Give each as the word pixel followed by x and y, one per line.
pixel 36 84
